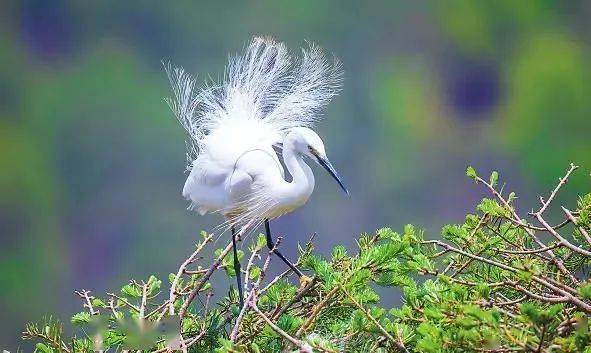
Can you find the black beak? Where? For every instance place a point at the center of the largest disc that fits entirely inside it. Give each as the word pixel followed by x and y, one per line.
pixel 330 169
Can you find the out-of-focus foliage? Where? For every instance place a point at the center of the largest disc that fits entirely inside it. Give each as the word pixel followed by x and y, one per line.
pixel 494 284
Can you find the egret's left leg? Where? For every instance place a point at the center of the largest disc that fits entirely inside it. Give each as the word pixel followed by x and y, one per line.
pixel 271 245
pixel 237 268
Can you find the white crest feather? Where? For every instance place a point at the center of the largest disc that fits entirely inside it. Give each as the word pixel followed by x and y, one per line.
pixel 264 84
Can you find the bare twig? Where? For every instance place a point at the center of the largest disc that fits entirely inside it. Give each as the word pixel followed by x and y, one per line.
pixel 561 182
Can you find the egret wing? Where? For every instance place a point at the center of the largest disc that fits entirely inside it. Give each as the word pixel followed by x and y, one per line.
pixel 205 184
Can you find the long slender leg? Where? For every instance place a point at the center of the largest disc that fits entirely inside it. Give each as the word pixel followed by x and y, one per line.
pixel 237 268
pixel 270 245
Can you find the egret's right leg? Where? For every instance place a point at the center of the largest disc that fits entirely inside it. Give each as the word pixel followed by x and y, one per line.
pixel 237 269
pixel 304 280
pixel 271 246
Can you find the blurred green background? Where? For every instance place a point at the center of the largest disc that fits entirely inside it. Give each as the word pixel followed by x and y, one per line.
pixel 92 160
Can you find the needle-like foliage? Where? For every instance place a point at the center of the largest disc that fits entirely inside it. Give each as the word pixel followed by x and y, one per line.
pixel 499 282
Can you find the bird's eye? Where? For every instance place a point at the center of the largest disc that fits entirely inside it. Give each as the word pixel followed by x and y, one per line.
pixel 312 150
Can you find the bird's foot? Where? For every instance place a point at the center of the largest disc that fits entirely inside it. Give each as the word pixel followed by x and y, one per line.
pixel 305 281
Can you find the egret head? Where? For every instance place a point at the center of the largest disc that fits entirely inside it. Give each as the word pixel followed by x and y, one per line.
pixel 307 143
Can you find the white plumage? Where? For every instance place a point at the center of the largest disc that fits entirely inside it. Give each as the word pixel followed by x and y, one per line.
pixel 265 99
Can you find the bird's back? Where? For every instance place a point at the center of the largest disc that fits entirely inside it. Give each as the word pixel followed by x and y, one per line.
pixel 231 158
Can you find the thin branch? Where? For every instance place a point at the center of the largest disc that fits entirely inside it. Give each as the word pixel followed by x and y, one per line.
pixel 574 220
pixel 301 346
pixel 204 280
pixel 182 268
pixel 560 238
pixel 124 301
pixel 296 298
pixel 526 252
pixel 561 182
pixel 142 312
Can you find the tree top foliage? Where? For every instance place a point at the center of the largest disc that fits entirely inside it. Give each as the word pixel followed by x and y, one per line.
pixel 499 282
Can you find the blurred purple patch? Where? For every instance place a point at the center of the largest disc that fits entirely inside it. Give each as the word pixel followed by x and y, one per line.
pixel 473 89
pixel 46 27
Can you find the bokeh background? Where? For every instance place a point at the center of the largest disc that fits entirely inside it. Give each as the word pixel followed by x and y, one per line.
pixel 92 160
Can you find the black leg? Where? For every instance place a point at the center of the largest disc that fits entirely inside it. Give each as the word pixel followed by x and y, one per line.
pixel 270 245
pixel 237 268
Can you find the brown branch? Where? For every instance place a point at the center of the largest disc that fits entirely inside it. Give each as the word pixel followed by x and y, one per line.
pixel 295 299
pixel 561 182
pixel 560 238
pixel 581 229
pixel 182 268
pixel 301 346
pixel 250 296
pixel 113 295
pixel 526 252
pixel 511 302
pixel 142 312
pixel 316 310
pixel 204 279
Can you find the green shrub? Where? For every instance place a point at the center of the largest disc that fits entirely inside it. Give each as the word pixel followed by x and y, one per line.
pixel 499 282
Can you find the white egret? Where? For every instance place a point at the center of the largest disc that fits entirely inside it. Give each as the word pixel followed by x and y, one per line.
pixel 265 100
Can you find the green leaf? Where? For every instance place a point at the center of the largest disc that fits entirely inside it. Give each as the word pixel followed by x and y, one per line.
pixel 98 303
pixel 494 178
pixel 153 285
pixel 585 290
pixel 81 318
pixel 512 197
pixel 492 207
pixel 289 323
pixel 338 253
pixel 131 290
pixel 261 241
pixel 471 173
pixel 529 311
pixel 255 272
pixel 42 348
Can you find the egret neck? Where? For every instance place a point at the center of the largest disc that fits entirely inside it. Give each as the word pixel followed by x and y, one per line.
pixel 296 192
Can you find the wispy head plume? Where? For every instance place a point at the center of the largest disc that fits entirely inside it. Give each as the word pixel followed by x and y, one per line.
pixel 264 83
